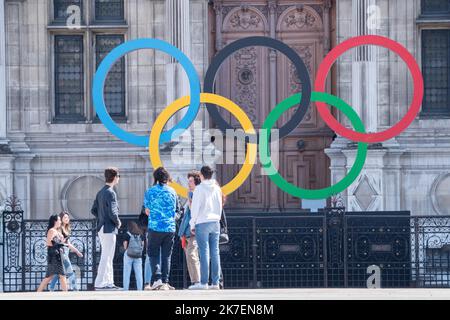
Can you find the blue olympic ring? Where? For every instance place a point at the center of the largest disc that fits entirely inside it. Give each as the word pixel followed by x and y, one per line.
pixel 106 65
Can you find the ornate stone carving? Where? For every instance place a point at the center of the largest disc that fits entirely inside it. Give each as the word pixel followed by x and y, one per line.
pixel 245 19
pixel 245 73
pixel 225 10
pixel 272 7
pixel 245 76
pixel 218 8
pixel 299 19
pixel 306 54
pixel 264 10
pixel 294 80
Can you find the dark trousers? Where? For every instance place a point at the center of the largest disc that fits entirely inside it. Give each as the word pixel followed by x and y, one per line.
pixel 160 245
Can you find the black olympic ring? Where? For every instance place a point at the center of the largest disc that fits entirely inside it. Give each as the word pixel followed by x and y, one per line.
pixel 300 66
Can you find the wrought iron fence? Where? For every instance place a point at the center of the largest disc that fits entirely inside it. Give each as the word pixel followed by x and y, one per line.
pixel 382 240
pixel 25 252
pixel 178 269
pixel 331 248
pixel 430 251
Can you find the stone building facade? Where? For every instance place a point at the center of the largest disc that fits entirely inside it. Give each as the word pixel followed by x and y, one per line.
pixel 412 170
pixel 53 149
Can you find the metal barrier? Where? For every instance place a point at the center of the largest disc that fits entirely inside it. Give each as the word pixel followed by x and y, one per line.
pixel 331 248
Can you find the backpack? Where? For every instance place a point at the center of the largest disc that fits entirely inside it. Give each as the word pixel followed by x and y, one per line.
pixel 135 246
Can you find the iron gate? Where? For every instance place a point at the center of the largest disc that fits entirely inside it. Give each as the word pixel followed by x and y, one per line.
pixel 332 248
pixel 25 250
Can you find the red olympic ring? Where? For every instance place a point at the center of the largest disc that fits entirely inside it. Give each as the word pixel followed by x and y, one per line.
pixel 409 117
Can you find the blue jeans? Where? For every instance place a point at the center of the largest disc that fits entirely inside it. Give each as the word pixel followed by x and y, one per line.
pixel 69 273
pixel 147 270
pixel 128 264
pixel 207 235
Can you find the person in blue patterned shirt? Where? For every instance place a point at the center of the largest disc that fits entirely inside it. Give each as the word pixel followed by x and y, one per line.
pixel 161 205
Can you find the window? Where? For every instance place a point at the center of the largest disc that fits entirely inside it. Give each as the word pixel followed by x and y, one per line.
pixel 69 84
pixel 115 82
pixel 435 7
pixel 436 71
pixel 75 62
pixel 60 9
pixel 435 35
pixel 109 10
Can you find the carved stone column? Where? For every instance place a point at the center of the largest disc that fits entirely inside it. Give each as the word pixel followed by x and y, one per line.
pixel 3 116
pixel 273 54
pixel 366 192
pixel 273 204
pixel 178 34
pixel 326 26
pixel 364 70
pixel 218 7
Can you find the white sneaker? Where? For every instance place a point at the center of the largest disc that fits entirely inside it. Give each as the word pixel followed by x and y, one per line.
pixel 157 285
pixel 214 287
pixel 148 287
pixel 164 286
pixel 198 286
pixel 170 287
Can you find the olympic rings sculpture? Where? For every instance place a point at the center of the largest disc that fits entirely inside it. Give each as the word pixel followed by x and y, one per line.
pixel 303 99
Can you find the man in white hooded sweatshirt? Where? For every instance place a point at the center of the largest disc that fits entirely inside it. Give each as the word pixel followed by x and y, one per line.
pixel 206 210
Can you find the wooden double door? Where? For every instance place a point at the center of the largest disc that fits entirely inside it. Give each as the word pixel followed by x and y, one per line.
pixel 257 78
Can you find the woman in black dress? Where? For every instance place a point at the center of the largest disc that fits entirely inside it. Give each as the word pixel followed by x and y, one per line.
pixel 65 231
pixel 55 244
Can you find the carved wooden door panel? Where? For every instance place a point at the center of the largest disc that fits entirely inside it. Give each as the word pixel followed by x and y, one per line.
pixel 246 78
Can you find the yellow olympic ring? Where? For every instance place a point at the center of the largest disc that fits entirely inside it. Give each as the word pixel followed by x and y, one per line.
pixel 220 101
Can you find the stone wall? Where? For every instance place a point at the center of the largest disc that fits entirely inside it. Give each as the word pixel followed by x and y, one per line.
pixel 53 166
pixel 411 171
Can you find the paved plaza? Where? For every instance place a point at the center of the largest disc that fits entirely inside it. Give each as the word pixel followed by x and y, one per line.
pixel 250 294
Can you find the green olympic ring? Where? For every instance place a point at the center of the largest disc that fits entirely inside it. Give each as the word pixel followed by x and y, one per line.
pixel 291 189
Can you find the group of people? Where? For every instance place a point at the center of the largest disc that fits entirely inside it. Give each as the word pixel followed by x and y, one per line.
pixel 199 228
pixel 58 248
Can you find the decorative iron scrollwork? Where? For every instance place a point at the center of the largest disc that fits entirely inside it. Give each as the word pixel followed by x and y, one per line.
pixel 12 204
